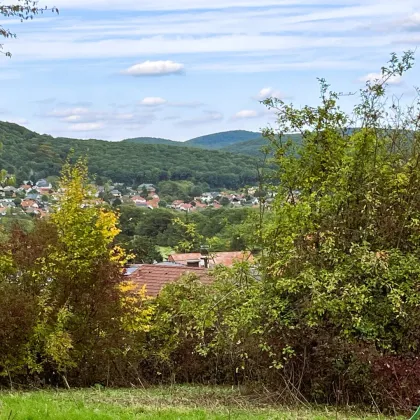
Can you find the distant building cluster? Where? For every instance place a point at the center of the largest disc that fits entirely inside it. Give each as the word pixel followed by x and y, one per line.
pixel 31 199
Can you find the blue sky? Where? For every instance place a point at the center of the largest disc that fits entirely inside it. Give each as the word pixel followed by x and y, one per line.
pixel 182 68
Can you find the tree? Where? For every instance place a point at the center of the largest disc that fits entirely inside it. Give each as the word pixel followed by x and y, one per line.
pixel 23 10
pixel 342 247
pixel 144 250
pixel 144 193
pixel 67 276
pixel 224 201
pixel 163 204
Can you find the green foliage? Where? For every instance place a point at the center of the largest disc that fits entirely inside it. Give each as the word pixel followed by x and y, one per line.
pixel 220 140
pixel 63 282
pixel 227 229
pixel 343 246
pixel 332 311
pixel 144 250
pixel 33 156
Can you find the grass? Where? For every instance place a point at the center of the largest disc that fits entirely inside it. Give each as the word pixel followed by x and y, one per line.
pixel 166 403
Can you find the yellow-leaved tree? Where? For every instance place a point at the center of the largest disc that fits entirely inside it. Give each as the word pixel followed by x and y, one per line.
pixel 88 314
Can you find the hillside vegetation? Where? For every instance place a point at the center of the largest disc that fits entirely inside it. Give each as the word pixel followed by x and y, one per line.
pixel 236 141
pixel 29 154
pixel 154 140
pixel 220 140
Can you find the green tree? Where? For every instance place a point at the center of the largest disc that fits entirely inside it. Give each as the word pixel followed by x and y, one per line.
pixel 144 250
pixel 342 248
pixel 224 201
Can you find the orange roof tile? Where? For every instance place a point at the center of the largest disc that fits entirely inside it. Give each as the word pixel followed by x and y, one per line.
pixel 218 258
pixel 155 277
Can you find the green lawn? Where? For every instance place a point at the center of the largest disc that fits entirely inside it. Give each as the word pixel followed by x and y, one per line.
pixel 180 402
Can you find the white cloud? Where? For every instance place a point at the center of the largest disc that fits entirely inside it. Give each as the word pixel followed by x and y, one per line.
pixel 155 68
pixel 412 22
pixel 378 77
pixel 72 118
pixel 150 5
pixel 246 114
pixel 153 101
pixel 68 112
pixel 268 92
pixel 86 126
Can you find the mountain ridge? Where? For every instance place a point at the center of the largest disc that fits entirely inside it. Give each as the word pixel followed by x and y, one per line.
pixel 30 155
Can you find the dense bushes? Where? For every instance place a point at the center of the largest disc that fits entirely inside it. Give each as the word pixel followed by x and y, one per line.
pixel 333 314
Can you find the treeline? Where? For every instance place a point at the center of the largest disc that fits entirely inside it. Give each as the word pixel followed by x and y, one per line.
pixel 144 232
pixel 29 155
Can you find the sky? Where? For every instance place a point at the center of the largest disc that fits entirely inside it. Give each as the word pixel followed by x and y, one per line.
pixel 179 69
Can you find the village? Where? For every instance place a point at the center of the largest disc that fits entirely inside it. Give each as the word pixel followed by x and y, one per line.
pixel 37 199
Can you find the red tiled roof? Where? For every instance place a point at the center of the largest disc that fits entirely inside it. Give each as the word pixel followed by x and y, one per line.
pixel 228 258
pixel 218 258
pixel 183 258
pixel 154 277
pixel 154 203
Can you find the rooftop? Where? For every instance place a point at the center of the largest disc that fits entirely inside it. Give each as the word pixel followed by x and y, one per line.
pixel 154 277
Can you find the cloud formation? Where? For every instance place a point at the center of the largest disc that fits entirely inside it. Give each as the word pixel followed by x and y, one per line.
pixel 246 114
pixel 86 126
pixel 153 101
pixel 207 117
pixel 379 78
pixel 268 92
pixel 154 68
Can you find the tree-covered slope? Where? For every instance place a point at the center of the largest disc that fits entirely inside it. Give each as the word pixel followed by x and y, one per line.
pixel 220 140
pixel 154 140
pixel 254 147
pixel 31 155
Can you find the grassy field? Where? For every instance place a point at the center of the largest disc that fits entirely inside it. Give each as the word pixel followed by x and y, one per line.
pixel 170 403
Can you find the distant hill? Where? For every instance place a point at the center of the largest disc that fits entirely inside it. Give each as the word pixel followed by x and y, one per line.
pixel 253 147
pixel 154 140
pixel 248 142
pixel 221 140
pixel 250 147
pixel 31 155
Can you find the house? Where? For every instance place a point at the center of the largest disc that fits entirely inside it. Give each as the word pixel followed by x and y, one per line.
pixel 25 187
pixel 26 204
pixel 196 259
pixel 186 207
pixel 139 201
pixel 149 187
pixel 42 183
pixel 176 204
pixel 199 205
pixel 116 193
pixel 155 276
pixel 153 203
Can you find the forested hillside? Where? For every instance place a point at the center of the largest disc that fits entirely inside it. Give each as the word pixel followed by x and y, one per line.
pixel 154 140
pixel 221 140
pixel 256 146
pixel 31 155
